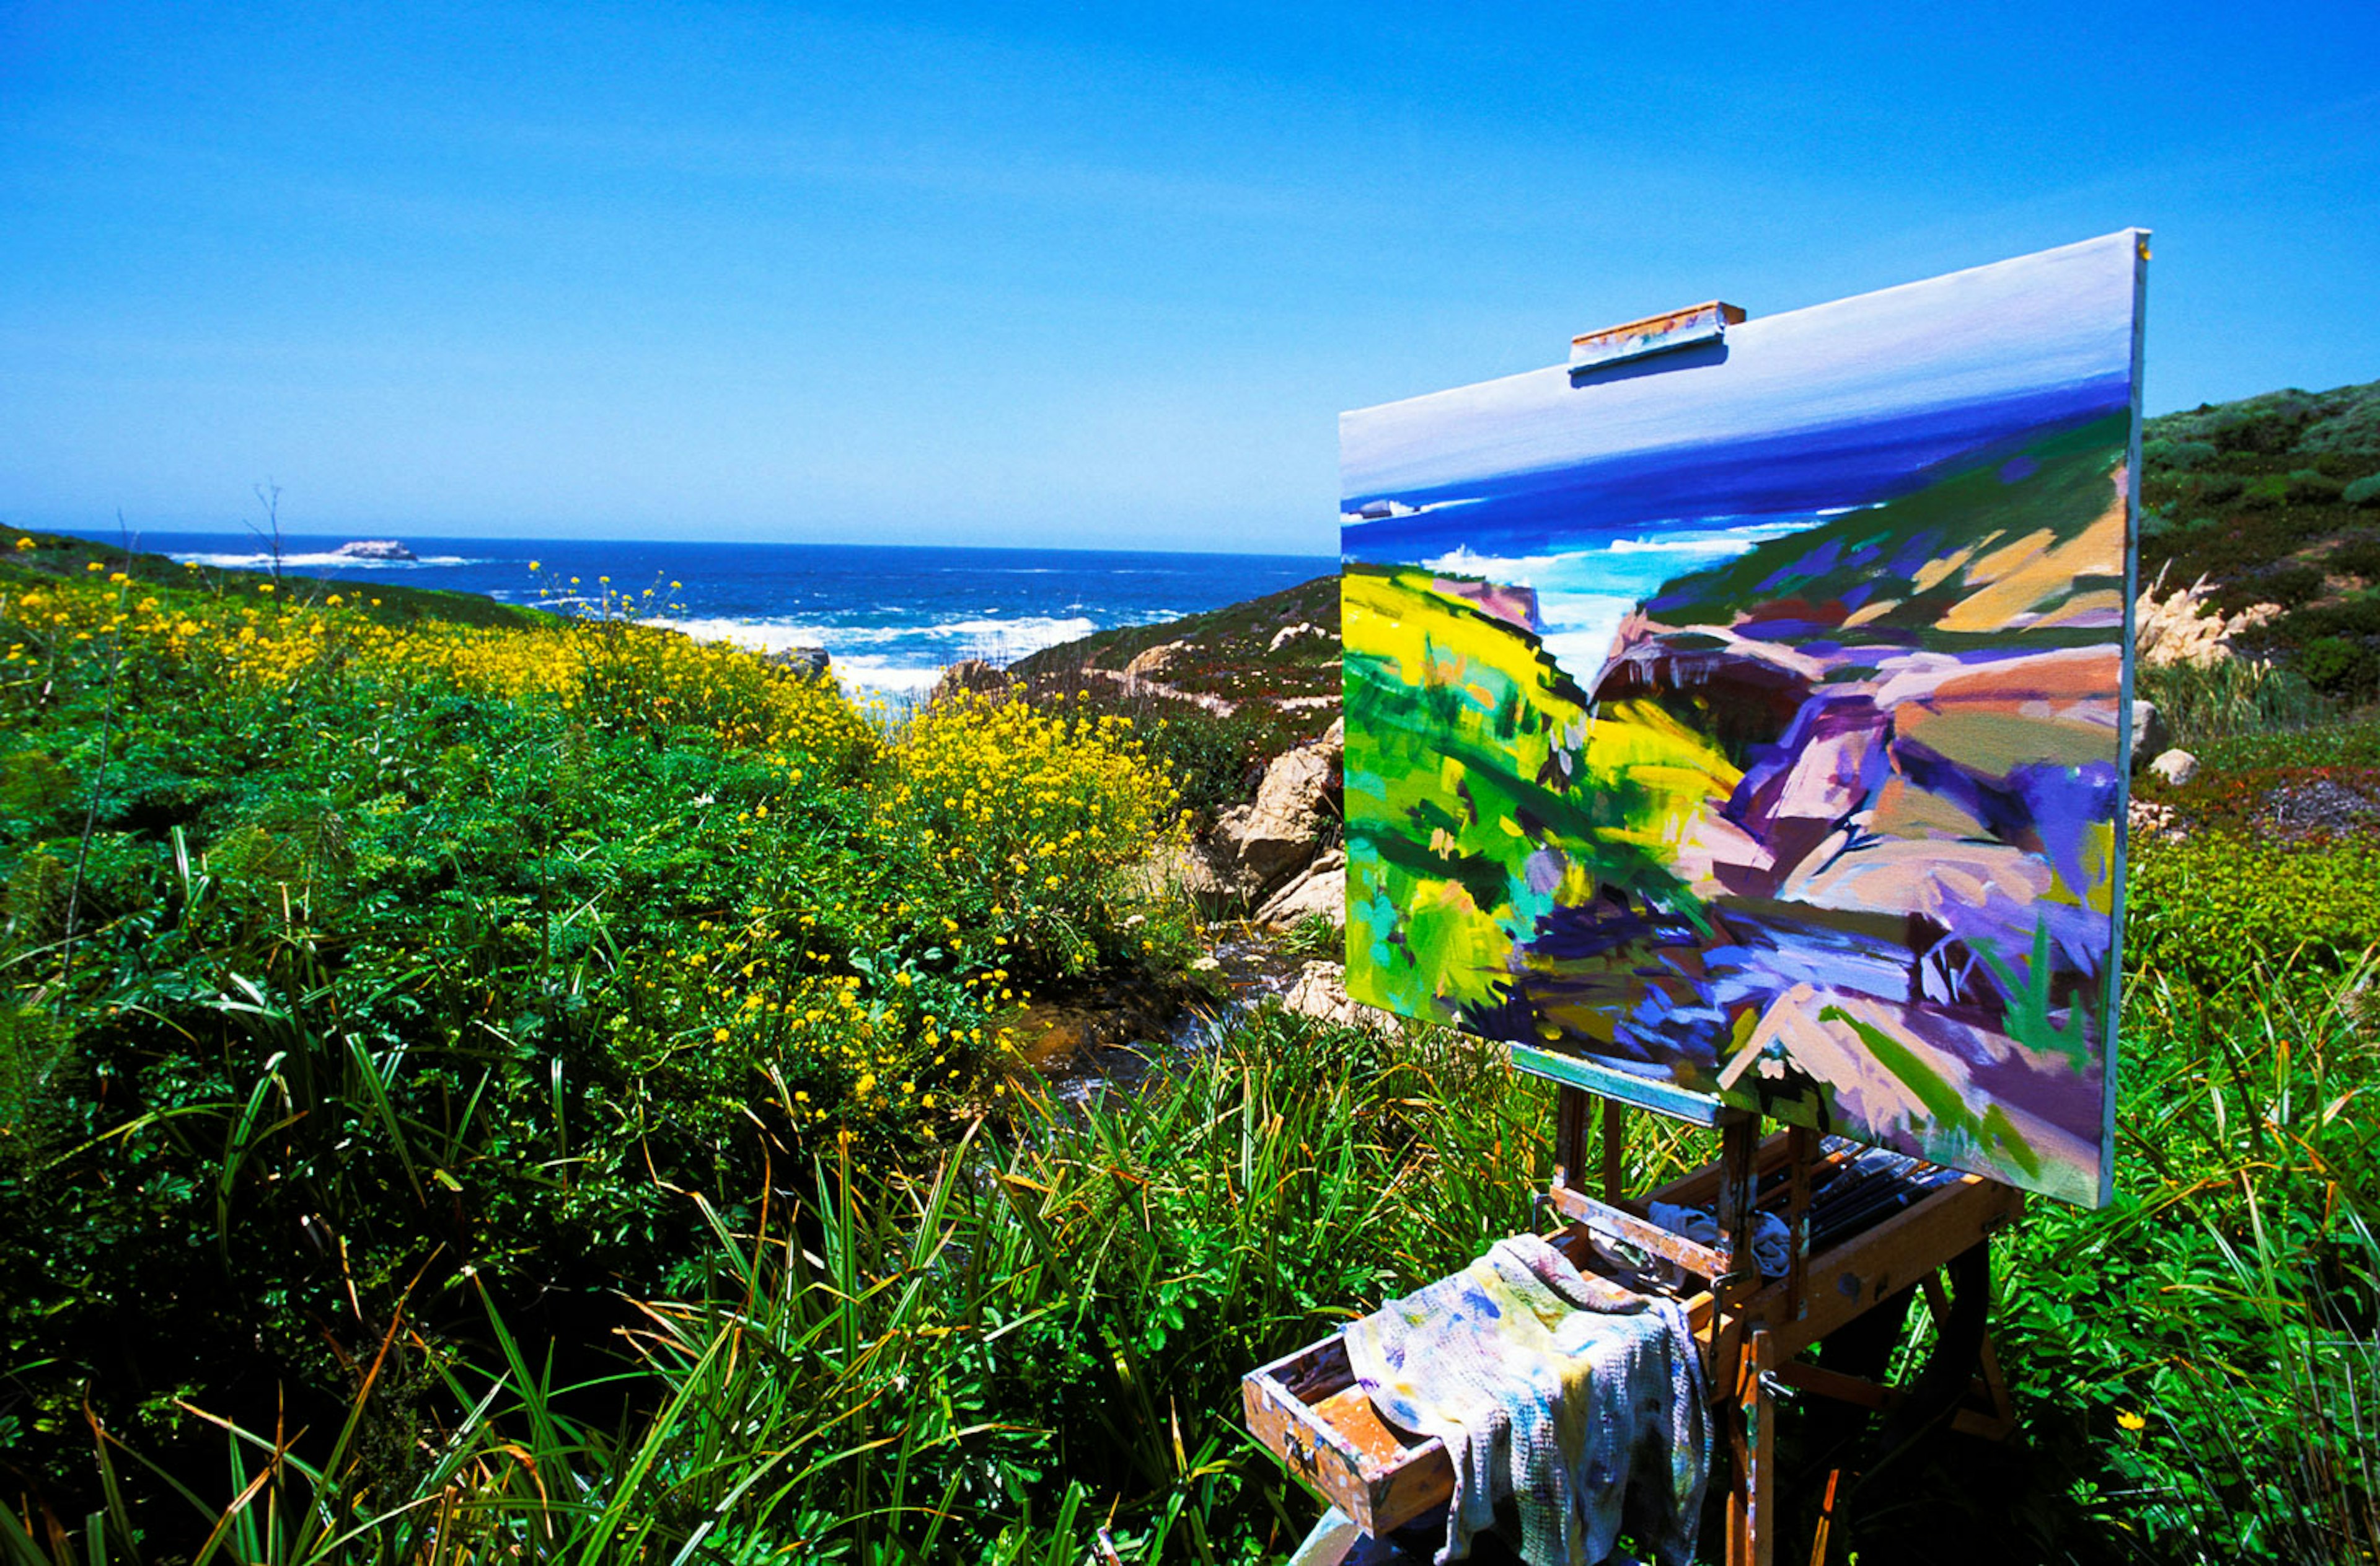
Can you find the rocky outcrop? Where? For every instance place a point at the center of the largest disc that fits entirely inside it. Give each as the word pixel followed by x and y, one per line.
pixel 970 674
pixel 1256 847
pixel 1151 663
pixel 374 548
pixel 1320 889
pixel 809 660
pixel 1321 992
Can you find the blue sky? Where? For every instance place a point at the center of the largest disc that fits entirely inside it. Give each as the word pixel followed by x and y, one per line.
pixel 1036 274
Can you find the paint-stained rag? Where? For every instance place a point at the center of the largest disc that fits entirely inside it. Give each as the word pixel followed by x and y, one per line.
pixel 1584 1403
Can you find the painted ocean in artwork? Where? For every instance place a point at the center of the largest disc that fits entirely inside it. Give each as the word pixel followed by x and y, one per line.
pixel 1750 721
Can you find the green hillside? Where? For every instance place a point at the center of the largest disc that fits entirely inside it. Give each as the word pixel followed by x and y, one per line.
pixel 2275 499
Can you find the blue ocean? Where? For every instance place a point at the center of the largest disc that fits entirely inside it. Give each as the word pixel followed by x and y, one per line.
pixel 891 618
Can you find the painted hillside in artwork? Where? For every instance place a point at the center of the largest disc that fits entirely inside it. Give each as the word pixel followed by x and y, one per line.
pixel 1786 767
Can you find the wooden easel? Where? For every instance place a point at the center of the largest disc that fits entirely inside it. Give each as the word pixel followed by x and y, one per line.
pixel 1754 1333
pixel 1308 1409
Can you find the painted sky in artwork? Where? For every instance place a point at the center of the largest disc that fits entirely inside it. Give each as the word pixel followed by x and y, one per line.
pixel 1752 723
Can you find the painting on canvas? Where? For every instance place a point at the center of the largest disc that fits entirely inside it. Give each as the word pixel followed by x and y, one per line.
pixel 1750 722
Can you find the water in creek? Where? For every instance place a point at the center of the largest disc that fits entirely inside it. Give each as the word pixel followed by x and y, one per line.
pixel 1115 1038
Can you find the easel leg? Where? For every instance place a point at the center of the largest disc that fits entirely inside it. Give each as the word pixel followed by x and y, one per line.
pixel 1750 1503
pixel 1822 1539
pixel 1615 1149
pixel 1573 1108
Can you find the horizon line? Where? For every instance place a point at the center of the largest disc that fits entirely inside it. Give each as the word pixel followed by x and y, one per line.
pixel 113 536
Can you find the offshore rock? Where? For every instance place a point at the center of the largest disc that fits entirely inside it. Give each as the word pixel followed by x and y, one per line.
pixel 811 661
pixel 374 548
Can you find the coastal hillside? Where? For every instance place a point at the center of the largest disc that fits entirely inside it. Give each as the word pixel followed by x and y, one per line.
pixel 423 1038
pixel 2275 500
pixel 1280 648
pixel 28 556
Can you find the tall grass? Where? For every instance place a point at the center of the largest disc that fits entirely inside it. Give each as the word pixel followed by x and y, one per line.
pixel 2229 698
pixel 2212 1336
pixel 1039 1334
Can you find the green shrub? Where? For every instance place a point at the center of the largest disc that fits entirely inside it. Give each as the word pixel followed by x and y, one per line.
pixel 2358 557
pixel 2208 909
pixel 2363 492
pixel 2214 488
pixel 2355 617
pixel 2340 666
pixel 2264 494
pixel 2309 486
pixel 2176 457
pixel 2289 585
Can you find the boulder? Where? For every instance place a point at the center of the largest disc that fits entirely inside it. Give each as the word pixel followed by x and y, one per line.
pixel 970 674
pixel 1321 992
pixel 1151 663
pixel 806 661
pixel 1271 837
pixel 2151 736
pixel 1194 871
pixel 1320 887
pixel 2175 766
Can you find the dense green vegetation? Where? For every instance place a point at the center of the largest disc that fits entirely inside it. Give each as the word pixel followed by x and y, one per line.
pixel 366 981
pixel 536 1090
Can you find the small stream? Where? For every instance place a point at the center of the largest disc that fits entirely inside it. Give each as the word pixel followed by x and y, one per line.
pixel 1115 1040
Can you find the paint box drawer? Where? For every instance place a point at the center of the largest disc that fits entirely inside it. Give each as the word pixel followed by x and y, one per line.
pixel 1309 1410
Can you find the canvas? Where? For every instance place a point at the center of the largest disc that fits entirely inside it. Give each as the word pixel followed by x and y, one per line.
pixel 1748 724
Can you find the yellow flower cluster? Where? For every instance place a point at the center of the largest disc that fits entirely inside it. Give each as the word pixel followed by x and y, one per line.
pixel 611 669
pixel 1039 807
pixel 836 1050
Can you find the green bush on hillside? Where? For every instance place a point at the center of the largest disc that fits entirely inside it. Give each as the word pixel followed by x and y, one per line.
pixel 2178 457
pixel 2338 666
pixel 2309 486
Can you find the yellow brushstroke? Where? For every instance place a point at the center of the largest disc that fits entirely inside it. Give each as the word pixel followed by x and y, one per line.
pixel 1934 571
pixel 2014 579
pixel 1678 773
pixel 2084 607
